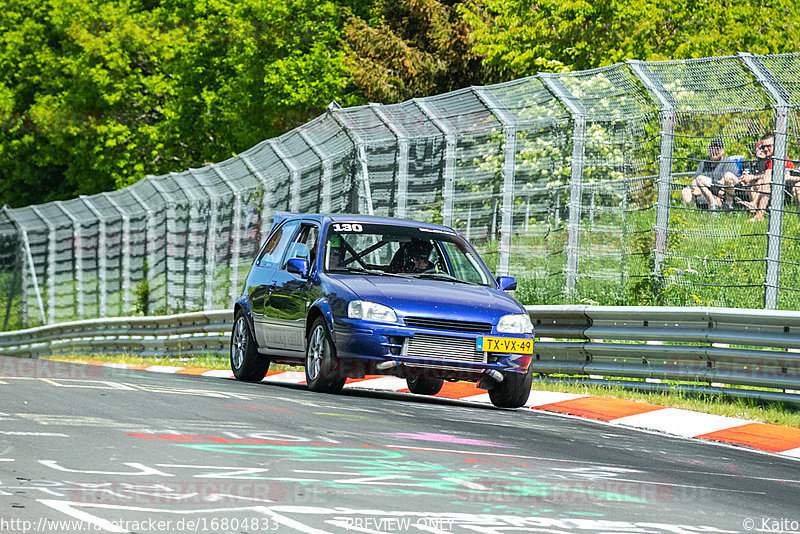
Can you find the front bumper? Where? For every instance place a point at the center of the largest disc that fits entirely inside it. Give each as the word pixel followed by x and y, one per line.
pixel 442 353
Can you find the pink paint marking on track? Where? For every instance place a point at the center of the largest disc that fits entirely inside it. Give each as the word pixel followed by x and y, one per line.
pixel 448 438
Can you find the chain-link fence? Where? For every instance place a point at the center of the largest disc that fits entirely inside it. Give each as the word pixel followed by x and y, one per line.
pixel 571 182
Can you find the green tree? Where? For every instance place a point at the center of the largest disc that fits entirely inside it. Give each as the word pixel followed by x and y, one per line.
pixel 81 89
pixel 95 96
pixel 410 48
pixel 249 71
pixel 519 38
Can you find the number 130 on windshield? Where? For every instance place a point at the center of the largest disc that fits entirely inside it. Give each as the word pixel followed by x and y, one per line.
pixel 347 227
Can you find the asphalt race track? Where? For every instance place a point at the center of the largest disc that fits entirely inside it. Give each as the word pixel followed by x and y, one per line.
pixel 97 449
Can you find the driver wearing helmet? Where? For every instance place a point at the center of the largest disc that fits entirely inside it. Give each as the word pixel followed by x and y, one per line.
pixel 417 254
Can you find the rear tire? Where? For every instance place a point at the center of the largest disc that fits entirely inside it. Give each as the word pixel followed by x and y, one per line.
pixel 322 367
pixel 246 363
pixel 424 386
pixel 513 391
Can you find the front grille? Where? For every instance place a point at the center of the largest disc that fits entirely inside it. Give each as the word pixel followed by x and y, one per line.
pixel 445 324
pixel 444 348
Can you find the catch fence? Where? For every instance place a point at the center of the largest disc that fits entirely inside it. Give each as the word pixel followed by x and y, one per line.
pixel 571 182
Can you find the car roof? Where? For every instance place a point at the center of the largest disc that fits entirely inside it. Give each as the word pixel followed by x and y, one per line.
pixel 280 216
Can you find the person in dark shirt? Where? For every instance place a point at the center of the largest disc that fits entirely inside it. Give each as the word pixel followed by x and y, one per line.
pixel 748 191
pixel 715 179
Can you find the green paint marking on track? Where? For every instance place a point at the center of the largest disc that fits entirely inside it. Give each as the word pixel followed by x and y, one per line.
pixel 388 468
pixel 146 377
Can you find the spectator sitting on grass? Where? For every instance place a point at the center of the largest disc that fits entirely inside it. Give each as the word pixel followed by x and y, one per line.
pixel 749 190
pixel 715 179
pixel 761 191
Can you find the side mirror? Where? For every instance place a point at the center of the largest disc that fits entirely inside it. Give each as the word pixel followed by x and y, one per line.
pixel 507 283
pixel 298 266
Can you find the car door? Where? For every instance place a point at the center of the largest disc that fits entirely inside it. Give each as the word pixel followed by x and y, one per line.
pixel 259 282
pixel 291 295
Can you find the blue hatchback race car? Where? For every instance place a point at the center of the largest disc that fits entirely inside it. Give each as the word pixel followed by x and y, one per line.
pixel 350 295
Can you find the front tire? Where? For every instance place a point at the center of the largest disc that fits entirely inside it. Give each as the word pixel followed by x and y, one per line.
pixel 513 391
pixel 246 363
pixel 322 367
pixel 424 386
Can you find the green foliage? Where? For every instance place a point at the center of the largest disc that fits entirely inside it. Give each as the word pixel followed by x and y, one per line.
pixel 408 49
pixel 95 96
pixel 249 71
pixel 81 87
pixel 519 38
pixel 141 293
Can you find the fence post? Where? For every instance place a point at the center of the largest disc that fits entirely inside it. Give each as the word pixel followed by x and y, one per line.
pixel 451 140
pixel 776 200
pixel 578 112
pixel 170 221
pixel 210 239
pixel 77 245
pixel 668 115
pixel 265 194
pixel 361 150
pixel 327 172
pixel 236 232
pixel 126 253
pixel 402 159
pixel 51 265
pixel 277 147
pixel 102 256
pixel 18 261
pixel 26 250
pixel 509 123
pixel 150 249
pixel 34 279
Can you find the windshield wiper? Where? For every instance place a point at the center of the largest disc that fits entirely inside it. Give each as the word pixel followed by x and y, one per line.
pixel 442 276
pixel 361 270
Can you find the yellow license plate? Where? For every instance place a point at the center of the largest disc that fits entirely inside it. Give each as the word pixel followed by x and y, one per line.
pixel 504 344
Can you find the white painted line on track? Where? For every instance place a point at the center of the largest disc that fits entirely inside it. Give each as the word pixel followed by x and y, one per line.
pixel 383 383
pixel 218 373
pixel 794 453
pixel 288 377
pixel 481 397
pixel 164 369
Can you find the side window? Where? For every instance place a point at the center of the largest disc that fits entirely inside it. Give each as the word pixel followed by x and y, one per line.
pixel 304 245
pixel 276 244
pixel 465 266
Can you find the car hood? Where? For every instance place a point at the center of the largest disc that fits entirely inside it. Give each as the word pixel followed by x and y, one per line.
pixel 434 298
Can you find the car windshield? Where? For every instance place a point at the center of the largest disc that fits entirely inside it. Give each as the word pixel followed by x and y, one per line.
pixel 383 249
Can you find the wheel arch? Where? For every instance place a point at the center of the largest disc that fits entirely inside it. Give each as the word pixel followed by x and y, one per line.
pixel 320 308
pixel 243 307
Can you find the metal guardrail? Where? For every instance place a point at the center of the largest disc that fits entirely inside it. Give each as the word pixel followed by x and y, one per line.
pixel 695 349
pixel 707 348
pixel 206 332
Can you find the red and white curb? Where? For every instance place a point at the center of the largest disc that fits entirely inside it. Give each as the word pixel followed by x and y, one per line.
pixel 778 439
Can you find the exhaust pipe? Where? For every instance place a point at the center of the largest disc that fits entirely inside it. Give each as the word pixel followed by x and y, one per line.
pixel 388 364
pixel 496 375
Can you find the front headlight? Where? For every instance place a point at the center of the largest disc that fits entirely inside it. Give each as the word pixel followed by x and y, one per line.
pixel 517 323
pixel 371 311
